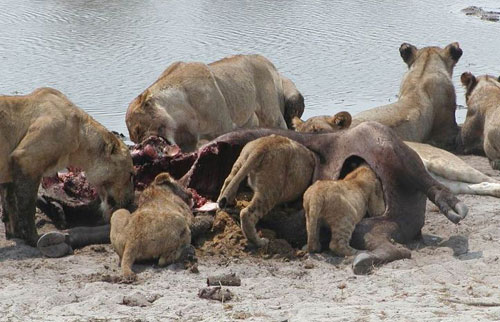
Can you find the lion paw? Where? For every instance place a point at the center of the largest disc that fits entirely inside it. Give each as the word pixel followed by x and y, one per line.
pixel 261 242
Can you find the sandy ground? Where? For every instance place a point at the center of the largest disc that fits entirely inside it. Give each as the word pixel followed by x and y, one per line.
pixel 443 281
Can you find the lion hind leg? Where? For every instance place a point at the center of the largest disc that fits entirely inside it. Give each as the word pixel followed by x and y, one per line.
pixel 312 226
pixel 341 235
pixel 250 215
pixel 128 259
pixel 182 242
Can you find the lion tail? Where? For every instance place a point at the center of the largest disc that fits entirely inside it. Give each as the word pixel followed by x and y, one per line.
pixel 240 170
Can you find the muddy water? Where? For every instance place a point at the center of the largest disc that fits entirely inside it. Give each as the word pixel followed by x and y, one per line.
pixel 342 54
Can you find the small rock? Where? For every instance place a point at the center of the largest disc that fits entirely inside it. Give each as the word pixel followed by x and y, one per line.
pixel 136 299
pixel 308 264
pixel 215 293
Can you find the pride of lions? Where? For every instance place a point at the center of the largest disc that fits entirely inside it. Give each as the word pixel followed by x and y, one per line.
pixel 354 174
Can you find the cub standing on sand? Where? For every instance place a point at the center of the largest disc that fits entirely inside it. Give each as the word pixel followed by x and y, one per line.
pixel 278 169
pixel 193 102
pixel 43 132
pixel 341 204
pixel 481 129
pixel 159 228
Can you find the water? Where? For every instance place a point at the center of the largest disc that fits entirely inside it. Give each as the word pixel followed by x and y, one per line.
pixel 342 55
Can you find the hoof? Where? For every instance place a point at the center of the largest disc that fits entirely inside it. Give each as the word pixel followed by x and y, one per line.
pixel 54 244
pixel 363 263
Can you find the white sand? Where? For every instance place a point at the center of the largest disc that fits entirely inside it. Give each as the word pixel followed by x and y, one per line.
pixel 434 285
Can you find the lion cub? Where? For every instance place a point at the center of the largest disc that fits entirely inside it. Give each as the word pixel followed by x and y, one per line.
pixel 341 205
pixel 278 169
pixel 159 228
pixel 323 123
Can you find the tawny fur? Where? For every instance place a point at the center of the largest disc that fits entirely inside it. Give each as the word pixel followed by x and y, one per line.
pixel 340 205
pixel 323 123
pixel 425 110
pixel 43 132
pixel 278 169
pixel 158 229
pixel 481 129
pixel 194 101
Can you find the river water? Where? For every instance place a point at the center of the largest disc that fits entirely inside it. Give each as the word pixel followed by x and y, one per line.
pixel 342 54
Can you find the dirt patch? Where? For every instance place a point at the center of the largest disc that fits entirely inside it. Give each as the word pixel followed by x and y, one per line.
pixel 227 239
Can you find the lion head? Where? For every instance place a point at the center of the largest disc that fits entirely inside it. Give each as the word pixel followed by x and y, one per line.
pixel 448 55
pixel 323 124
pixel 113 176
pixel 144 118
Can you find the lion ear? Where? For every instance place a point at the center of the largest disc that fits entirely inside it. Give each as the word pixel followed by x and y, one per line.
pixel 455 51
pixel 408 53
pixel 163 178
pixel 468 80
pixel 144 100
pixel 498 79
pixel 342 120
pixel 296 121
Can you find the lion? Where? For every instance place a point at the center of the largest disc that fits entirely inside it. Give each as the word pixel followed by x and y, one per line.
pixel 193 102
pixel 425 110
pixel 444 166
pixel 158 229
pixel 481 129
pixel 278 169
pixel 323 123
pixel 43 132
pixel 341 204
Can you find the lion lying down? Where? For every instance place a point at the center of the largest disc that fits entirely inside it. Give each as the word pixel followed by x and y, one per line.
pixel 341 204
pixel 481 129
pixel 159 228
pixel 444 166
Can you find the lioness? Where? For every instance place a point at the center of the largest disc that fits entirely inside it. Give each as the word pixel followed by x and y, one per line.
pixel 159 228
pixel 194 101
pixel 341 204
pixel 481 129
pixel 425 110
pixel 43 132
pixel 278 169
pixel 444 166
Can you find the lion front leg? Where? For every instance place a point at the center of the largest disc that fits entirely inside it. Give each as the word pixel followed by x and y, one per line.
pixel 23 219
pixel 8 207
